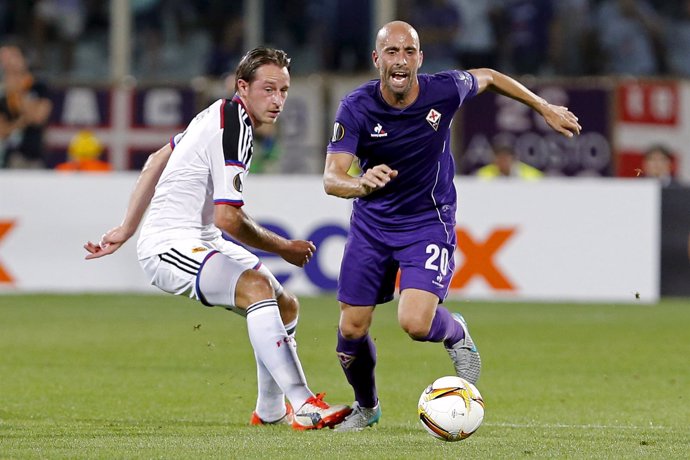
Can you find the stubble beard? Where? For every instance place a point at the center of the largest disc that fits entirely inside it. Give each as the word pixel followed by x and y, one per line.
pixel 398 94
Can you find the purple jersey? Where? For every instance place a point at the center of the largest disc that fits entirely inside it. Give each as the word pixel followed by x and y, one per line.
pixel 415 141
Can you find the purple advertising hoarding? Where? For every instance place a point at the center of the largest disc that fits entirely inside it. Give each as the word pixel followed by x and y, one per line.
pixel 490 119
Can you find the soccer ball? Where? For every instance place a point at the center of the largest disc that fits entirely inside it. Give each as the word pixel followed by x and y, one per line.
pixel 451 409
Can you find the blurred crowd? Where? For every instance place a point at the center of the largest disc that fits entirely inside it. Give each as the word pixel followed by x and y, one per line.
pixel 178 39
pixel 48 42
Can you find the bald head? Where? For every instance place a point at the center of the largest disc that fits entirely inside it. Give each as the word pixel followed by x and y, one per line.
pixel 397 57
pixel 395 29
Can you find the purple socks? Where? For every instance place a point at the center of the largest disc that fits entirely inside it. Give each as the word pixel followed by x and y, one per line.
pixel 358 360
pixel 444 328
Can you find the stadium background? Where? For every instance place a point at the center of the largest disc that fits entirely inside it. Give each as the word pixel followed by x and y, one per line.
pixel 586 359
pixel 137 73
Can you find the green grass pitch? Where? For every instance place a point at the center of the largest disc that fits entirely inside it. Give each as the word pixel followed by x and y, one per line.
pixel 155 376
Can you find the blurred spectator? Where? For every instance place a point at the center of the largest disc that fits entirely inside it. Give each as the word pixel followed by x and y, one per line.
pixel 524 31
pixel 24 111
pixel 437 23
pixel 227 48
pixel 677 40
pixel 84 154
pixel 148 29
pixel 348 46
pixel 292 21
pixel 570 32
pixel 475 41
pixel 62 21
pixel 6 19
pixel 266 154
pixel 505 164
pixel 628 36
pixel 658 164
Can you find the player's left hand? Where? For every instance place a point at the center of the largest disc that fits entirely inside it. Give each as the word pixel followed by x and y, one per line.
pixel 298 252
pixel 562 120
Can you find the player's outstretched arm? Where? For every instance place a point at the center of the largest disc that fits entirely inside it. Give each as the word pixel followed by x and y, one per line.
pixel 138 202
pixel 559 118
pixel 244 229
pixel 337 182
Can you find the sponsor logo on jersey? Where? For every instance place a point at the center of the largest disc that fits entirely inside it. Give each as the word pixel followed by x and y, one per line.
pixel 433 117
pixel 437 281
pixel 338 132
pixel 379 131
pixel 237 182
pixel 198 249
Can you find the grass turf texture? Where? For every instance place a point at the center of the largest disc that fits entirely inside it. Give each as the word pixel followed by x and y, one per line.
pixel 148 376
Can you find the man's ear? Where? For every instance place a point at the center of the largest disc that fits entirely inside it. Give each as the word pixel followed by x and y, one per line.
pixel 242 87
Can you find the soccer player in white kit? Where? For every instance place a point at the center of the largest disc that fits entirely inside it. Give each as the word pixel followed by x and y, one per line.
pixel 194 188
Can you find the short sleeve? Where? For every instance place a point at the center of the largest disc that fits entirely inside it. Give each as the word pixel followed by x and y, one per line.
pixel 228 176
pixel 345 135
pixel 466 84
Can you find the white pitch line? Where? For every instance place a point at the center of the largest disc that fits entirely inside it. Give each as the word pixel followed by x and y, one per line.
pixel 587 427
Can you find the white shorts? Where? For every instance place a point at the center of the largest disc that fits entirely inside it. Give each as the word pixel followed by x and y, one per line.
pixel 206 271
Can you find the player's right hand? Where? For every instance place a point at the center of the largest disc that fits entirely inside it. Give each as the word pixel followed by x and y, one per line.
pixel 298 252
pixel 110 242
pixel 377 177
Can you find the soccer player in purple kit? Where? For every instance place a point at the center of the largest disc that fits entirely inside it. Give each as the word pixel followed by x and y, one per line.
pixel 403 215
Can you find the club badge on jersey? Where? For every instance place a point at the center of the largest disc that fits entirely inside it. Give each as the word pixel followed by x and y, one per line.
pixel 433 117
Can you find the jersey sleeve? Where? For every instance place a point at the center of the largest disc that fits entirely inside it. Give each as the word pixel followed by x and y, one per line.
pixel 466 84
pixel 345 136
pixel 174 140
pixel 230 154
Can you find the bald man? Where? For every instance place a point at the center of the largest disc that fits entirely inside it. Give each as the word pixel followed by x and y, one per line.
pixel 403 216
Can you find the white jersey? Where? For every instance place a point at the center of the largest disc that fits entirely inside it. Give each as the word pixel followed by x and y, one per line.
pixel 207 167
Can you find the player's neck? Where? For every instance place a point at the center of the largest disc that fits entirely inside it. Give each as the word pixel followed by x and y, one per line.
pixel 400 101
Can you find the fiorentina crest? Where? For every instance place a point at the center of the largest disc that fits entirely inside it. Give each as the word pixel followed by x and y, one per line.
pixel 345 360
pixel 433 117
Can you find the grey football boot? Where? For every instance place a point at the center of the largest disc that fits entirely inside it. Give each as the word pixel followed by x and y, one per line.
pixel 464 354
pixel 360 418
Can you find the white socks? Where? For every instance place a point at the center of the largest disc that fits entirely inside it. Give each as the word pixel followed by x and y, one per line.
pixel 270 402
pixel 279 370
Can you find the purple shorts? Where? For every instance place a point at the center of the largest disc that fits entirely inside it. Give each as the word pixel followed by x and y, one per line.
pixel 372 257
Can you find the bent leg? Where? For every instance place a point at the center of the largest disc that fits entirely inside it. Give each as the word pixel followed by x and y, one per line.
pixel 270 401
pixel 252 294
pixel 424 320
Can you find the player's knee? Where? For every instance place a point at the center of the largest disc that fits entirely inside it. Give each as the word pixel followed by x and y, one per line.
pixel 414 328
pixel 252 287
pixel 352 330
pixel 354 321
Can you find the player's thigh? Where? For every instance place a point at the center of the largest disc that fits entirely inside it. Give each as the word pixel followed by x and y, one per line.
pixel 193 268
pixel 416 310
pixel 225 282
pixel 248 259
pixel 175 271
pixel 368 269
pixel 427 265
